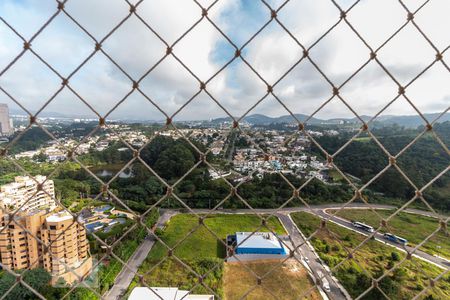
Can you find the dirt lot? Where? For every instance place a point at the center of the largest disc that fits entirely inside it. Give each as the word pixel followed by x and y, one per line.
pixel 287 281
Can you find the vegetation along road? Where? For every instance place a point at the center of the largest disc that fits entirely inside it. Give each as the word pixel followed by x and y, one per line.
pixel 436 260
pixel 308 256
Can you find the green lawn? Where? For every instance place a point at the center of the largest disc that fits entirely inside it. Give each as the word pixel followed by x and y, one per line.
pixel 414 228
pixel 365 139
pixel 201 251
pixel 335 175
pixel 202 243
pixel 375 258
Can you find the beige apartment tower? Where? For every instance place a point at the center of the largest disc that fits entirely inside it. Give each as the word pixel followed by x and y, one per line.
pixel 23 193
pixel 68 254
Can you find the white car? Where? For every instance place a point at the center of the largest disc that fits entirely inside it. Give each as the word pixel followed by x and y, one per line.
pixel 325 283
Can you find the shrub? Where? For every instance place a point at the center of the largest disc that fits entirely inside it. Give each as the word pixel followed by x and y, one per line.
pixel 159 232
pixel 395 256
pixel 336 248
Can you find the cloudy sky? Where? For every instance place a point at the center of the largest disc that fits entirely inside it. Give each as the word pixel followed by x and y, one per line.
pixel 205 51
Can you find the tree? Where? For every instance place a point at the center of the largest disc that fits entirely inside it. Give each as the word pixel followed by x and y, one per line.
pixel 390 286
pixel 395 256
pixel 400 274
pixel 421 161
pixel 41 157
pixel 174 162
pixel 6 281
pixel 153 186
pixel 37 278
pixel 150 154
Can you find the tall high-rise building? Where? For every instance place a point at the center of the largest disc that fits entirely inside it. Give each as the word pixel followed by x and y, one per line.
pixel 24 193
pixel 5 128
pixel 24 240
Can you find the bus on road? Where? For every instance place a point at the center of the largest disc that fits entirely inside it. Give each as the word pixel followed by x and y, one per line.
pixel 395 239
pixel 363 226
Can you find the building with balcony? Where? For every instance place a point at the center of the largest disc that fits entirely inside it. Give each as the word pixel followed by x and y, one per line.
pixel 27 194
pixel 41 238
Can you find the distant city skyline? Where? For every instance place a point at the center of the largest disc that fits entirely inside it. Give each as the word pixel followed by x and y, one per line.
pixel 412 120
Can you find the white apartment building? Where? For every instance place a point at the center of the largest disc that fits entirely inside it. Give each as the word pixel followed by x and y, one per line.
pixel 5 122
pixel 24 191
pixel 54 154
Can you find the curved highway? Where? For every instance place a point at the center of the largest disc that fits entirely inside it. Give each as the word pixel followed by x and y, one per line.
pixel 438 261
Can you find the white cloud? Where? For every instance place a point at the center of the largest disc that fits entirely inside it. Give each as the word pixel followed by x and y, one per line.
pixel 136 49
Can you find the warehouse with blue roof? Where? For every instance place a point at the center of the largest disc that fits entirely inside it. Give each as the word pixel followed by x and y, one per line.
pixel 256 243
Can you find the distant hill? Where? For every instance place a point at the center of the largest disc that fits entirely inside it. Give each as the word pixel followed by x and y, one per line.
pixel 258 119
pixel 410 121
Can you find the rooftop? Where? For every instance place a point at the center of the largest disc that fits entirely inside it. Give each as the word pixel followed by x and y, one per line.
pixel 59 217
pixel 265 240
pixel 164 293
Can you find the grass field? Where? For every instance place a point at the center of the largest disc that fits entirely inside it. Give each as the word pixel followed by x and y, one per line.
pixel 364 139
pixel 335 175
pixel 202 243
pixel 286 282
pixel 374 258
pixel 201 251
pixel 414 228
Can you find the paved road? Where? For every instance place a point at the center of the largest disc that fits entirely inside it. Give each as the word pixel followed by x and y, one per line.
pixel 440 262
pixel 126 275
pixel 291 209
pixel 311 258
